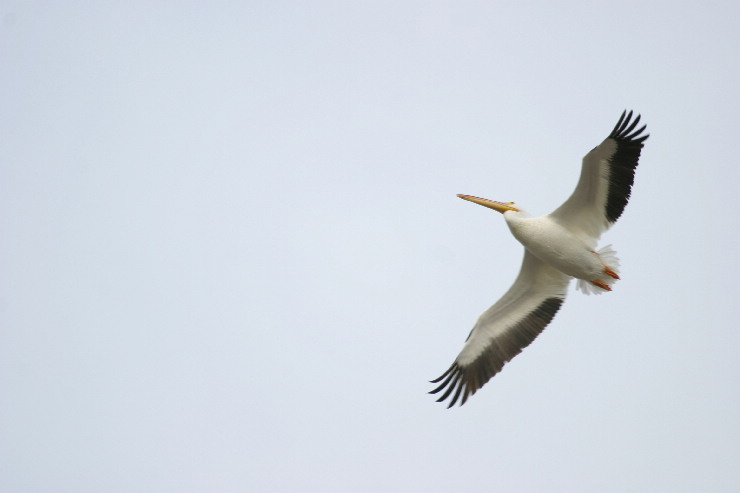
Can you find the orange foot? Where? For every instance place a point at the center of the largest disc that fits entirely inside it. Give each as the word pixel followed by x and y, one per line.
pixel 610 272
pixel 602 285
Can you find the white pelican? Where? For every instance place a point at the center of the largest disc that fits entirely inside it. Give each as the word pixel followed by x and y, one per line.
pixel 557 247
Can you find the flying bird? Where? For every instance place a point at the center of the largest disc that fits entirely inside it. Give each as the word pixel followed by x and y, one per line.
pixel 558 247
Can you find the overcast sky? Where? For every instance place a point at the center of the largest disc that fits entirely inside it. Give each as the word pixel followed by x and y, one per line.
pixel 231 255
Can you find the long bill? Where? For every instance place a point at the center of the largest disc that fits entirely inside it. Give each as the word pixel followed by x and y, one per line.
pixel 491 204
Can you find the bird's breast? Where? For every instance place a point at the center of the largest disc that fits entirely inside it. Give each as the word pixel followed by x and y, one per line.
pixel 556 246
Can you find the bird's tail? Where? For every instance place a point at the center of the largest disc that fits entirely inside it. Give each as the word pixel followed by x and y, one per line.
pixel 610 275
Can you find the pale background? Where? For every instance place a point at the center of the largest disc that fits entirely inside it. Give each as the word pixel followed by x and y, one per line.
pixel 232 255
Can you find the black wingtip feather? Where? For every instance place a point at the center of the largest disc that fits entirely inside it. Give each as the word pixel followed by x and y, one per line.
pixel 439 378
pixel 623 163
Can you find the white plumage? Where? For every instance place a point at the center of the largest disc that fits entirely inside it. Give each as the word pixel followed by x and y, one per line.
pixel 558 247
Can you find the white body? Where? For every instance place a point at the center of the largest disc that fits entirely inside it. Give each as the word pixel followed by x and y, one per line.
pixel 556 246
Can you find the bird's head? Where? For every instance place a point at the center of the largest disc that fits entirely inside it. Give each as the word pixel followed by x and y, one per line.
pixel 491 204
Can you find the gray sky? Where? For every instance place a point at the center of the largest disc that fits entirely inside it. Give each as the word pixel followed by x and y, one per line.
pixel 232 255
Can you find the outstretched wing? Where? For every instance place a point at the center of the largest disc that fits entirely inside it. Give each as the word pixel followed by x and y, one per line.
pixel 604 188
pixel 506 328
